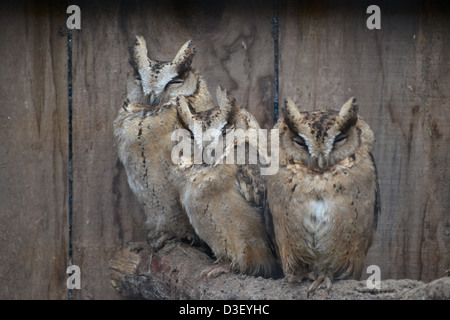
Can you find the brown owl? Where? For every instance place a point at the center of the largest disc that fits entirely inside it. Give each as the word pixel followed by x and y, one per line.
pixel 143 131
pixel 212 194
pixel 324 200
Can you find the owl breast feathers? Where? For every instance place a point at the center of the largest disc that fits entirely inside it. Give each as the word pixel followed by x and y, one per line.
pixel 324 198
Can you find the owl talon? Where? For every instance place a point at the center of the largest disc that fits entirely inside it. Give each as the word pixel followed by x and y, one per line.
pixel 318 282
pixel 294 278
pixel 215 271
pixel 191 239
pixel 158 243
pixel 312 276
pixel 314 285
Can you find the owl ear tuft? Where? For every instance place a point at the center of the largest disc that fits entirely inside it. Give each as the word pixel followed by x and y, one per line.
pixel 290 113
pixel 227 104
pixel 139 55
pixel 141 63
pixel 184 112
pixel 349 111
pixel 183 59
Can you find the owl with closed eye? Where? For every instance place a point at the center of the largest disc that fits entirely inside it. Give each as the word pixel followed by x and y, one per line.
pixel 324 200
pixel 143 129
pixel 213 192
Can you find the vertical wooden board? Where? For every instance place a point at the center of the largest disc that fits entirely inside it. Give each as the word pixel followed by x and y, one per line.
pixel 228 40
pixel 105 212
pixel 400 75
pixel 33 151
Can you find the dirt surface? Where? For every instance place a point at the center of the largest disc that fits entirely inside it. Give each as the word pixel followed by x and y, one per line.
pixel 174 273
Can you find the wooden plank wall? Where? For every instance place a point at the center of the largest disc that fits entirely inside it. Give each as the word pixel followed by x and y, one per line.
pixel 33 151
pixel 400 75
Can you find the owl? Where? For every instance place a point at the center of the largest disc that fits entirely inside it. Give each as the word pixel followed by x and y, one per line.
pixel 216 200
pixel 143 129
pixel 324 200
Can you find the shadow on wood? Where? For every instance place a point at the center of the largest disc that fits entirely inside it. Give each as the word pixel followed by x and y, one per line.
pixel 174 273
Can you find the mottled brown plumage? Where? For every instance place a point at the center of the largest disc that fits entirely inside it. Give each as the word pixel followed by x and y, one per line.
pixel 183 199
pixel 212 193
pixel 143 131
pixel 324 198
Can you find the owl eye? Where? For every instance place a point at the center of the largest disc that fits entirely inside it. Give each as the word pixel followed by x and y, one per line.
pixel 340 138
pixel 175 81
pixel 300 141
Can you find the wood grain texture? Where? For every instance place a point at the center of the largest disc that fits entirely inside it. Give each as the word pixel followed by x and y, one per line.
pixel 400 76
pixel 234 50
pixel 33 151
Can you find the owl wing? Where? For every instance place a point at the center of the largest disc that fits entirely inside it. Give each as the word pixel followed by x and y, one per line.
pixel 252 186
pixel 377 204
pixel 251 183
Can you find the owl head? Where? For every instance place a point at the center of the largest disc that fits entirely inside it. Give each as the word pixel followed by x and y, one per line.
pixel 207 128
pixel 321 139
pixel 161 80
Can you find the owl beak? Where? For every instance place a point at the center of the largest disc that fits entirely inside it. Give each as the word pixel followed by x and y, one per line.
pixel 321 162
pixel 152 98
